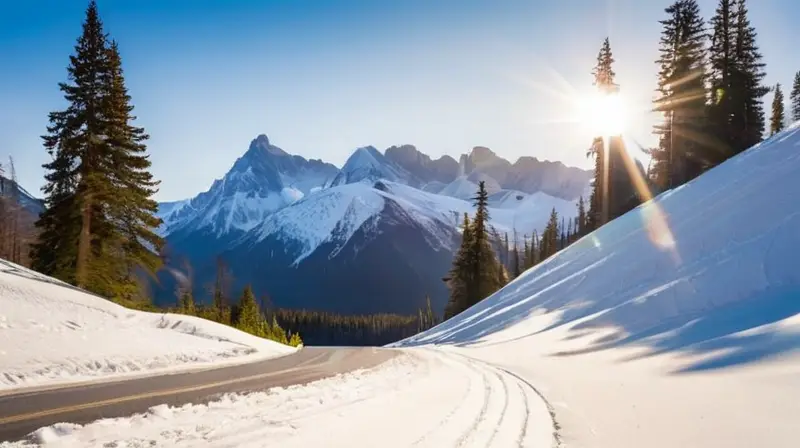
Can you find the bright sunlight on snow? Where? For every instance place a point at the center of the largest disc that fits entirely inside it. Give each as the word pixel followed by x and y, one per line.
pixel 641 344
pixel 53 333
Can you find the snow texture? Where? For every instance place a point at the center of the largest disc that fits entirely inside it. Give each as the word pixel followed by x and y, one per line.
pixel 675 325
pixel 53 333
pixel 479 406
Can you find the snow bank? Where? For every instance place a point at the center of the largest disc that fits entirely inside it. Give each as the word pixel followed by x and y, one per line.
pixel 479 406
pixel 53 333
pixel 675 325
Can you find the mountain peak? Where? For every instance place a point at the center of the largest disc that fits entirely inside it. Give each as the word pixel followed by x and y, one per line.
pixel 262 144
pixel 481 152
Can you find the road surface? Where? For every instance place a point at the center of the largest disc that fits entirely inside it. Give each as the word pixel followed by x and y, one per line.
pixel 22 413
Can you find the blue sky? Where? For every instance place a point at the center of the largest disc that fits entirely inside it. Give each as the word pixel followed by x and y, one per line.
pixel 321 78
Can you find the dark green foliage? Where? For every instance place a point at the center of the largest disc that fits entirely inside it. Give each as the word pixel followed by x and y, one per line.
pixel 459 279
pixel 476 272
pixel 682 151
pixel 516 267
pixel 778 119
pixel 794 98
pixel 736 111
pixel 323 328
pixel 550 238
pixel 97 229
pixel 249 317
pixel 582 219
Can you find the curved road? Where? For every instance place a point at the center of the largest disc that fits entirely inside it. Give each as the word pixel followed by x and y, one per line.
pixel 22 413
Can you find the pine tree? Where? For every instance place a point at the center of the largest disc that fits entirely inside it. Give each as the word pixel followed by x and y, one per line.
pixel 581 224
pixel 128 196
pixel 460 276
pixel 516 268
pixel 485 276
pixel 777 122
pixel 97 229
pixel 527 260
pixel 794 98
pixel 737 73
pixel 722 61
pixel 249 315
pixel 534 256
pixel 73 176
pixel 604 75
pixel 750 71
pixel 550 237
pixel 683 143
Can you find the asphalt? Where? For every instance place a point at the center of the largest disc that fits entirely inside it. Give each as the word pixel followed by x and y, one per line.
pixel 24 412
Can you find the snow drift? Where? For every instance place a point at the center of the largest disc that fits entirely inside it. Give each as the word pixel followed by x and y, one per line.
pixel 675 325
pixel 53 333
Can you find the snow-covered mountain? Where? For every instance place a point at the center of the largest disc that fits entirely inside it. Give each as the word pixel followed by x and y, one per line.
pixel 309 234
pixel 262 181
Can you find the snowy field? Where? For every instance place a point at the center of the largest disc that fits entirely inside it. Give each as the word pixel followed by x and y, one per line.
pixel 51 333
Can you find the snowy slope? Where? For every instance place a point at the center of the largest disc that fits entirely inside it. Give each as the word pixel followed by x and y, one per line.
pixel 675 325
pixel 53 333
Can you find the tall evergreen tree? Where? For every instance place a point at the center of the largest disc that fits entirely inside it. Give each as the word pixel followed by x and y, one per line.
pixel 794 98
pixel 249 319
pixel 581 224
pixel 516 267
pixel 737 73
pixel 683 140
pixel 778 119
pixel 97 229
pixel 604 74
pixel 750 71
pixel 73 142
pixel 486 279
pixel 128 196
pixel 460 277
pixel 550 237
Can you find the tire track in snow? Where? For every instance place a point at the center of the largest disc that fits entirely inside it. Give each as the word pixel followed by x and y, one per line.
pixel 557 441
pixel 503 412
pixel 526 389
pixel 449 416
pixel 523 432
pixel 487 389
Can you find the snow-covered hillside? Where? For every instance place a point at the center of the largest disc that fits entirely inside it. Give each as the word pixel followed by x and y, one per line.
pixel 675 325
pixel 53 333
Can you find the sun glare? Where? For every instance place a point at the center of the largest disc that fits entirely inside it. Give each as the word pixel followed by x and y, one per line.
pixel 604 113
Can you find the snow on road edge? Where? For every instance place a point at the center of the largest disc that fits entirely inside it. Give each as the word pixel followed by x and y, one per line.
pixel 422 398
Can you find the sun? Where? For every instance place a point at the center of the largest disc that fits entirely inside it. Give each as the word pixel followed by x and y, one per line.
pixel 604 113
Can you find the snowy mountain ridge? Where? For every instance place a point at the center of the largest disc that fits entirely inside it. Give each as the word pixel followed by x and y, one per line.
pixel 282 214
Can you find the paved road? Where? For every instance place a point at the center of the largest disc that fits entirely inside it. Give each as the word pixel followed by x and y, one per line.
pixel 22 413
